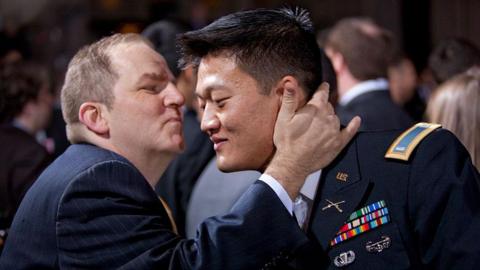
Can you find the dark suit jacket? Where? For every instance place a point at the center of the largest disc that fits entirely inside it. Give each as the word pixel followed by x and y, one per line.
pixel 433 201
pixel 22 159
pixel 92 209
pixel 377 110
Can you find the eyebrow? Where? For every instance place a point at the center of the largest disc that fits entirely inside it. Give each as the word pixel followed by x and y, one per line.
pixel 208 91
pixel 164 73
pixel 155 77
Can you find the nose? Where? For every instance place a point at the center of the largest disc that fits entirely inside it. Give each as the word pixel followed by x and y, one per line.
pixel 210 122
pixel 173 97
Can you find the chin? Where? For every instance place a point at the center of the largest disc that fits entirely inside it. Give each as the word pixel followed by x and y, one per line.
pixel 228 166
pixel 179 148
pixel 178 143
pixel 174 148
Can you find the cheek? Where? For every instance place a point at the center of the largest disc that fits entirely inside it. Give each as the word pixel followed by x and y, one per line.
pixel 258 125
pixel 174 128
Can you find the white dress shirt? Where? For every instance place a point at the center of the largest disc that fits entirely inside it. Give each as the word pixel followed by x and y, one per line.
pixel 380 84
pixel 300 207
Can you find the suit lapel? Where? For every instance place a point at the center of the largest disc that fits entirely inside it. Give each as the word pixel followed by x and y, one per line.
pixel 341 184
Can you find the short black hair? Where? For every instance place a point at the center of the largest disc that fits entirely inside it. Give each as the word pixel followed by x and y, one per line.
pixel 268 44
pixel 452 56
pixel 162 34
pixel 20 83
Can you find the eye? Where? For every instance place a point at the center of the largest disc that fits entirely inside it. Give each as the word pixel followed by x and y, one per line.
pixel 221 102
pixel 155 88
pixel 201 103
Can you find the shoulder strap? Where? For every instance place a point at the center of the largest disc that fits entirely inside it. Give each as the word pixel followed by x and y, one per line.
pixel 404 145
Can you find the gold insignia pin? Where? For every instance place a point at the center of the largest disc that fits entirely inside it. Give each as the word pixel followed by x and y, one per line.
pixel 341 176
pixel 336 205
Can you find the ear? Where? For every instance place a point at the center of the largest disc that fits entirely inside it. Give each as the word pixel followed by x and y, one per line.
pixel 290 83
pixel 92 115
pixel 338 62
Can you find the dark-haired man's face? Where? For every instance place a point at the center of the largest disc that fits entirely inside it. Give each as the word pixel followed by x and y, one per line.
pixel 238 119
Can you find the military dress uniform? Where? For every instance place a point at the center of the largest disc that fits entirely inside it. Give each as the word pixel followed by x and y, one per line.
pixel 415 206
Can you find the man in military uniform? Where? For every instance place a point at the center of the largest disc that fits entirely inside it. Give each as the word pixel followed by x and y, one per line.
pixel 389 200
pixel 413 206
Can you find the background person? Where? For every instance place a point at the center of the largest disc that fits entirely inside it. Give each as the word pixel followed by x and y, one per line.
pixel 25 109
pixel 455 105
pixel 452 56
pixel 404 86
pixel 360 52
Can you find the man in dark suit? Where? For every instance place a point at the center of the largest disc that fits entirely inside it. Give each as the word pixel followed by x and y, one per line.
pixel 25 109
pixel 95 206
pixel 360 52
pixel 388 201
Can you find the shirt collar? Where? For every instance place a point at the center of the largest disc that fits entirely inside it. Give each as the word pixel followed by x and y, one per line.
pixel 362 88
pixel 309 188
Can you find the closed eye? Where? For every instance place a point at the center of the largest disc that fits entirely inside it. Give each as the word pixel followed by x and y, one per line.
pixel 201 103
pixel 155 88
pixel 221 102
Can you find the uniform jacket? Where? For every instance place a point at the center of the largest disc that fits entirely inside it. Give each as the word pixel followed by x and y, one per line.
pixel 432 206
pixel 91 209
pixel 377 110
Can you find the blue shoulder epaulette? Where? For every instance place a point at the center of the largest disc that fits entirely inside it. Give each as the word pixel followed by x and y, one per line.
pixel 404 145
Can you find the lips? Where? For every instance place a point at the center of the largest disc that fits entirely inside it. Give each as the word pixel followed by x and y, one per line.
pixel 175 119
pixel 217 142
pixel 174 116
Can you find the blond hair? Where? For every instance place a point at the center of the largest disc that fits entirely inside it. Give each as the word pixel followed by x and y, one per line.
pixel 91 77
pixel 455 105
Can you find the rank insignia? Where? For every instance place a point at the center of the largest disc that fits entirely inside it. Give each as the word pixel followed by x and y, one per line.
pixel 404 145
pixel 363 220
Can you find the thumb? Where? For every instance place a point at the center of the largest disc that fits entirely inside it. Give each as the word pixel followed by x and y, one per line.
pixel 289 104
pixel 347 133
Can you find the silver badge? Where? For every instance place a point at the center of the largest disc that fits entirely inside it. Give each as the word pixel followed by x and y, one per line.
pixel 378 246
pixel 333 204
pixel 345 258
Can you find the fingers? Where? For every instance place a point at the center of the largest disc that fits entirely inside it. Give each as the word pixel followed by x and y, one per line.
pixel 347 133
pixel 329 108
pixel 325 88
pixel 323 107
pixel 289 104
pixel 319 102
pixel 321 95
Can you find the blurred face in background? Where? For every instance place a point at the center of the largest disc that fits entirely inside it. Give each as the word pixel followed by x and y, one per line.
pixel 403 81
pixel 40 109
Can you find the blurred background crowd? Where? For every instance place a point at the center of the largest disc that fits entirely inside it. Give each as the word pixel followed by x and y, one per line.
pixel 432 76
